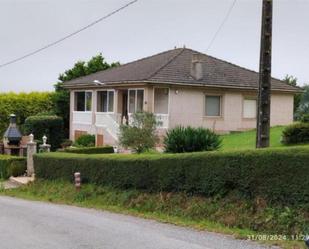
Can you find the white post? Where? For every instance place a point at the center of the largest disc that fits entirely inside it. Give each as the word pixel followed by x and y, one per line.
pixel 31 150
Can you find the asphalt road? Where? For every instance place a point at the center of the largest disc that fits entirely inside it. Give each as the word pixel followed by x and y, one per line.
pixel 37 225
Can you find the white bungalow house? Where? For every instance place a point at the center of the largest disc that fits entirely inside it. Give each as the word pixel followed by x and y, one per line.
pixel 181 87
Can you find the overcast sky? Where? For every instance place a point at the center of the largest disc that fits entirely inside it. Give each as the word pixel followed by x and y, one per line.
pixel 143 29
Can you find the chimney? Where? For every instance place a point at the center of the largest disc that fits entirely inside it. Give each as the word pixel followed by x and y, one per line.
pixel 197 66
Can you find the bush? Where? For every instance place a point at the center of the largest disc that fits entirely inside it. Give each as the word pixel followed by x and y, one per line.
pixel 277 175
pixel 9 165
pixel 17 168
pixel 86 140
pixel 91 150
pixel 50 126
pixel 296 134
pixel 305 118
pixel 180 139
pixel 23 105
pixel 141 134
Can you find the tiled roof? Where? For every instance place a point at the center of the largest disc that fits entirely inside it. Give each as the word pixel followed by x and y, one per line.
pixel 174 67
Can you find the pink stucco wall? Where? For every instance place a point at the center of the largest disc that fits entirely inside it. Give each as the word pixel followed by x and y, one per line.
pixel 187 107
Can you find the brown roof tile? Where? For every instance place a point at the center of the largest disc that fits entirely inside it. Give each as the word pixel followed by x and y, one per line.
pixel 174 66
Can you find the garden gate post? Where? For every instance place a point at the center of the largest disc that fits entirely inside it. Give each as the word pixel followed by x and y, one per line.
pixel 31 150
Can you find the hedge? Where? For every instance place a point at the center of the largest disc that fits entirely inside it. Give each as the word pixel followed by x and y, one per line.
pixel 50 126
pixel 23 105
pixel 91 150
pixel 12 166
pixel 277 175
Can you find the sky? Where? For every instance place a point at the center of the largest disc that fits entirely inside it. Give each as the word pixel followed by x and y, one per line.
pixel 145 28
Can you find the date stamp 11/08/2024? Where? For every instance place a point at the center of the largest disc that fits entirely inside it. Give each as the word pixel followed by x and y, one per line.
pixel 278 237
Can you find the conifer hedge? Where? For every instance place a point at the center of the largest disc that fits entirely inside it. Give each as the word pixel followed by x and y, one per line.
pixel 277 175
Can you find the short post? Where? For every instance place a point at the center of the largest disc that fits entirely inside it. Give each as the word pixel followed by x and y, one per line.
pixel 31 150
pixel 44 147
pixel 77 181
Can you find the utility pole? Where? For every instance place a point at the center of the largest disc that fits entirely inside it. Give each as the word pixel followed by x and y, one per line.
pixel 264 94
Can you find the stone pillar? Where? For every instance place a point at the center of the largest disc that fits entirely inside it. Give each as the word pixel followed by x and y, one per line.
pixel 44 147
pixel 31 150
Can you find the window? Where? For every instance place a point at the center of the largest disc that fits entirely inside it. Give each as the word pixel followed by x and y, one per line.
pixel 213 106
pixel 136 100
pixel 249 108
pixel 83 101
pixel 105 101
pixel 161 100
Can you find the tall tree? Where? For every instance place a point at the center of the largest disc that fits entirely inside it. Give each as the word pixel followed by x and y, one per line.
pixel 61 97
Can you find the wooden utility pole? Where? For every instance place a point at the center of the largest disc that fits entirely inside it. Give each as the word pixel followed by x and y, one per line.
pixel 264 95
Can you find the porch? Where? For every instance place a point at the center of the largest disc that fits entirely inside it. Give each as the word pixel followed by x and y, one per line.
pixel 106 109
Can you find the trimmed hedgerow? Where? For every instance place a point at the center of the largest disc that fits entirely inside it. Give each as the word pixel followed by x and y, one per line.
pixel 91 150
pixel 297 133
pixel 12 166
pixel 278 175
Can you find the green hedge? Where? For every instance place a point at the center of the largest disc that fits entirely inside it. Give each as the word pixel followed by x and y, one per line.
pixel 50 126
pixel 277 175
pixel 23 105
pixel 12 166
pixel 91 150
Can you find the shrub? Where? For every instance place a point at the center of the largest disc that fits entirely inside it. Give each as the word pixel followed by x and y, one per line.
pixel 296 134
pixel 17 168
pixel 180 139
pixel 23 105
pixel 50 126
pixel 277 175
pixel 141 134
pixel 8 165
pixel 305 118
pixel 86 140
pixel 66 143
pixel 91 150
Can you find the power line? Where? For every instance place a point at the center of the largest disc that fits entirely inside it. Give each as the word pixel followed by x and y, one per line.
pixel 221 25
pixel 67 36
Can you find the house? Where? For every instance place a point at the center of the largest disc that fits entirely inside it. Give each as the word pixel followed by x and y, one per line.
pixel 181 87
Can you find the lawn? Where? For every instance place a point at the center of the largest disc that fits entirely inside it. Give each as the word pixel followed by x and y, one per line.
pixel 246 140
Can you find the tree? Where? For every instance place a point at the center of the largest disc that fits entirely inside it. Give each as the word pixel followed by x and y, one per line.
pixel 292 81
pixel 61 97
pixel 141 134
pixel 303 108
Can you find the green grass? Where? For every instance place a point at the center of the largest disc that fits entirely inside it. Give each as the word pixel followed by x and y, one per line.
pixel 230 215
pixel 246 140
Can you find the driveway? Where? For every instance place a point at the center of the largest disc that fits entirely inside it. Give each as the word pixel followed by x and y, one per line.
pixel 38 225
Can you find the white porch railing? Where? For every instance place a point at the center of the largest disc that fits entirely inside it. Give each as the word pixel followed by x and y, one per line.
pixel 82 118
pixel 110 121
pixel 162 120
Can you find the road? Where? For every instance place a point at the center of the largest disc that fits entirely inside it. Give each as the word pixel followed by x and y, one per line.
pixel 38 225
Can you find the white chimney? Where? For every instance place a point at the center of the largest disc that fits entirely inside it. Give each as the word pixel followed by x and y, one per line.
pixel 197 66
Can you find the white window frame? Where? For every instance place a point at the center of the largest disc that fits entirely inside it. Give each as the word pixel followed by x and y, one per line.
pixel 135 104
pixel 243 107
pixel 205 105
pixel 169 99
pixel 113 90
pixel 85 105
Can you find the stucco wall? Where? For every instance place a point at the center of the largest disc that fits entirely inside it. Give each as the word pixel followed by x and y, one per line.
pixel 187 107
